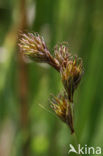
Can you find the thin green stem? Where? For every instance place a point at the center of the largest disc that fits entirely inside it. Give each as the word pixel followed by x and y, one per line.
pixel 76 142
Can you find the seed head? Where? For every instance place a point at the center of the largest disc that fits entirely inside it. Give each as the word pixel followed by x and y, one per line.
pixel 69 66
pixel 71 73
pixel 62 108
pixel 61 52
pixel 33 46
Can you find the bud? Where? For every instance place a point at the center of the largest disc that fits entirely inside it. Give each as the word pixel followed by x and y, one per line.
pixel 62 108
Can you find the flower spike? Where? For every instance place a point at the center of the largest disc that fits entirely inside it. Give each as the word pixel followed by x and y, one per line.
pixel 70 68
pixel 33 46
pixel 62 108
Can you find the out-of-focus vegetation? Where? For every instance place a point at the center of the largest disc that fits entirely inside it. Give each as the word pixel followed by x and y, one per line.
pixel 27 125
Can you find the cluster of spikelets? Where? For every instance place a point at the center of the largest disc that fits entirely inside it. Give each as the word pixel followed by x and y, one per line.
pixel 69 66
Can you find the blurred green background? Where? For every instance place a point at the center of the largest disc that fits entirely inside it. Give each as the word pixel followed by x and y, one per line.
pixel 27 125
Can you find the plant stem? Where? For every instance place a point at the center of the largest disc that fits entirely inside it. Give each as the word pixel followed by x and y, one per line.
pixel 75 140
pixel 23 85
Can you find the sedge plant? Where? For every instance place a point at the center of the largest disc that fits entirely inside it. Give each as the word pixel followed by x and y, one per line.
pixel 69 66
